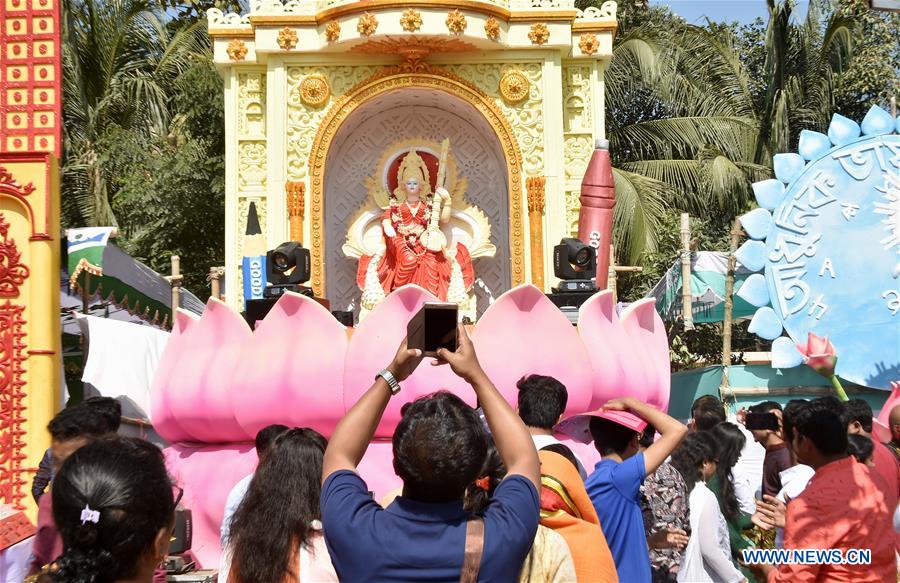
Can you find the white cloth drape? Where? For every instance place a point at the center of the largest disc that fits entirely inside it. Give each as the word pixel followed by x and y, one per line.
pixel 707 557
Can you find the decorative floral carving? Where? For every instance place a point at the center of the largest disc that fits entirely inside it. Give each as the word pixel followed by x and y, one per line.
pixel 12 273
pixel 367 24
pixel 539 33
pixel 492 28
pixel 411 20
pixel 456 21
pixel 287 38
pixel 12 404
pixel 252 166
pixel 535 188
pixel 251 105
pixel 514 86
pixel 332 30
pixel 7 179
pixel 411 46
pixel 295 192
pixel 314 89
pixel 237 50
pixel 589 43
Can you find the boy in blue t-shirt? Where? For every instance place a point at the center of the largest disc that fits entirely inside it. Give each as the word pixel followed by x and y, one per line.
pixel 615 484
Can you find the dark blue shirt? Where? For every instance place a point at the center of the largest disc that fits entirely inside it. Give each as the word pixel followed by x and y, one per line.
pixel 615 490
pixel 420 541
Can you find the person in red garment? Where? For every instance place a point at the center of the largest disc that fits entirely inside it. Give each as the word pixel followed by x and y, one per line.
pixel 844 506
pixel 406 260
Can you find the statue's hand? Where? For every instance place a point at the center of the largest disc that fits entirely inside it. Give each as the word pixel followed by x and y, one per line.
pixel 442 192
pixel 389 231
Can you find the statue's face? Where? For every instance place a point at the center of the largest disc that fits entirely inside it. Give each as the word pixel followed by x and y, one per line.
pixel 413 188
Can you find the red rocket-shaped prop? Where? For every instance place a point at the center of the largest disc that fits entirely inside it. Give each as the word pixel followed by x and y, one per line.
pixel 598 201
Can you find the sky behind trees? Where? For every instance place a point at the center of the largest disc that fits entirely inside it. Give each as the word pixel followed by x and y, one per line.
pixel 743 11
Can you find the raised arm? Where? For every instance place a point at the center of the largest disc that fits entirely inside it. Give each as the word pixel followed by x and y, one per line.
pixel 510 435
pixel 671 431
pixel 356 429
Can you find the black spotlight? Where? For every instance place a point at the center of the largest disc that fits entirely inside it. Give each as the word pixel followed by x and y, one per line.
pixel 573 260
pixel 287 266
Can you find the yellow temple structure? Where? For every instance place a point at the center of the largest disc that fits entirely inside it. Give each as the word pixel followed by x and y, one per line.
pixel 323 96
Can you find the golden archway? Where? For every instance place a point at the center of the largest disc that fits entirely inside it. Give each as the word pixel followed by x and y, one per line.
pixel 420 75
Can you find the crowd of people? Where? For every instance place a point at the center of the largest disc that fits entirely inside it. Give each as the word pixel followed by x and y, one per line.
pixel 490 494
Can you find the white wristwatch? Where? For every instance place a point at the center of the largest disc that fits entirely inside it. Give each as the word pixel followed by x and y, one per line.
pixel 390 380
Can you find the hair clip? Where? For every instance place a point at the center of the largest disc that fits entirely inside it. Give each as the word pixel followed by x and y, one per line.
pixel 484 483
pixel 88 515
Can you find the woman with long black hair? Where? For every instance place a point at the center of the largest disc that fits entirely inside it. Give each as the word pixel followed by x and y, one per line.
pixel 113 505
pixel 707 556
pixel 276 535
pixel 732 486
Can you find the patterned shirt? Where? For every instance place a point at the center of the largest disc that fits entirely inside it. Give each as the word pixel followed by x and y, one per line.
pixel 664 503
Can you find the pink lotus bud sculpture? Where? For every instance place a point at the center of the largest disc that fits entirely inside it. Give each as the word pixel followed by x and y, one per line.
pixel 819 355
pixel 219 382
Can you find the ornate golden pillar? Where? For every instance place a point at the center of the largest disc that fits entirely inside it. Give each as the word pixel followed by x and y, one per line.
pixel 535 189
pixel 296 191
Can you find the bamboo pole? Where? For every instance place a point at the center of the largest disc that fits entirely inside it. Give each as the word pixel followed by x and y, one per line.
pixel 611 282
pixel 724 388
pixel 686 297
pixel 215 280
pixel 175 279
pixel 894 106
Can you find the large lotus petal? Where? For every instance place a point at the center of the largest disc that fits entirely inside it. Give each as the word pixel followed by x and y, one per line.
pixel 207 475
pixel 648 335
pixel 165 422
pixel 373 346
pixel 293 371
pixel 610 349
pixel 524 333
pixel 883 423
pixel 203 384
pixel 377 468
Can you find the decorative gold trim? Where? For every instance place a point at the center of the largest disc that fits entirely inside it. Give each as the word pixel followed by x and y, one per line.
pixel 232 33
pixel 412 46
pixel 595 26
pixel 456 22
pixel 552 16
pixel 469 5
pixel 514 86
pixel 492 28
pixel 535 189
pixel 237 50
pixel 296 204
pixel 278 19
pixel 589 43
pixel 539 33
pixel 314 90
pixel 287 38
pixel 407 75
pixel 411 20
pixel 332 31
pixel 367 24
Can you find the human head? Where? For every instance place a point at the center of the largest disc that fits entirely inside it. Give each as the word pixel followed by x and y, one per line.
pixel 275 516
pixel 412 177
pixel 859 414
pixel 73 428
pixel 707 412
pixel 894 420
pixel 479 492
pixel 265 437
pixel 110 409
pixel 542 400
pixel 612 438
pixel 439 447
pixel 789 415
pixel 647 437
pixel 562 450
pixel 694 458
pixel 765 436
pixel 861 447
pixel 124 481
pixel 728 441
pixel 820 432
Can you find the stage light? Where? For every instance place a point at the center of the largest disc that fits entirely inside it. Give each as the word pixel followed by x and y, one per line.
pixel 287 265
pixel 573 260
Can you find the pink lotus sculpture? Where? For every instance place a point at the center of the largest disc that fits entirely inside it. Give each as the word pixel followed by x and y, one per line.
pixel 219 382
pixel 819 354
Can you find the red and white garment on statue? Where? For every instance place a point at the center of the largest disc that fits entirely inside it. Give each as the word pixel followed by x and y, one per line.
pixel 407 261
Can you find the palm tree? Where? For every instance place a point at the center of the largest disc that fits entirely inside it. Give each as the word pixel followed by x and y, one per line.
pixel 119 62
pixel 700 135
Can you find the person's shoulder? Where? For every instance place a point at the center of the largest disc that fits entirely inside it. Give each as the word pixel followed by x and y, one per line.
pixel 516 488
pixel 344 480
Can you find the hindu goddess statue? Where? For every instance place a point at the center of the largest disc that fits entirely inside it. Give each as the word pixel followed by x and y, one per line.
pixel 445 272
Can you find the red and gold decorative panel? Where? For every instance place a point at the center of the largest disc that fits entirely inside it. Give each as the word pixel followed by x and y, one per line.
pixel 30 76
